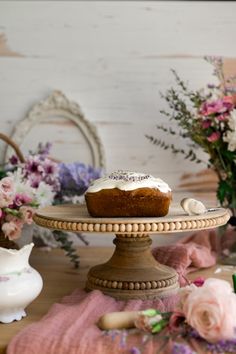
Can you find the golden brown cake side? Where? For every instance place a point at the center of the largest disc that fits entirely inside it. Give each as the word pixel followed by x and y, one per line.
pixel 141 202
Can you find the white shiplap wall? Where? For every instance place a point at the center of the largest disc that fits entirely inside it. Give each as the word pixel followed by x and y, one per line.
pixel 113 58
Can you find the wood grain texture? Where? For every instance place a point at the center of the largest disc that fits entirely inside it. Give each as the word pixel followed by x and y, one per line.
pixel 132 272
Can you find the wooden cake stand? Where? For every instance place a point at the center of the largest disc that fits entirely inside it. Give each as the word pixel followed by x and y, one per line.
pixel 131 272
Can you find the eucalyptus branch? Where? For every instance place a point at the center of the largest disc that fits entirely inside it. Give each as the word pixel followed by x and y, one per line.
pixel 173 132
pixel 188 155
pixel 82 238
pixel 67 246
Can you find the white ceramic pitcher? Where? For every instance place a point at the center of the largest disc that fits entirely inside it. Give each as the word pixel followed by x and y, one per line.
pixel 20 284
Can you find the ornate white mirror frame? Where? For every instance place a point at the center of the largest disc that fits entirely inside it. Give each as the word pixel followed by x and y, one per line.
pixel 57 104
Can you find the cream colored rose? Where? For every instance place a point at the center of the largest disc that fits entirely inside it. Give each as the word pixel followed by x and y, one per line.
pixel 211 310
pixel 184 293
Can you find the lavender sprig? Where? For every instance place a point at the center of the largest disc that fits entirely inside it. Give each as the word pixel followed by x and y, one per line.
pixel 223 346
pixel 180 348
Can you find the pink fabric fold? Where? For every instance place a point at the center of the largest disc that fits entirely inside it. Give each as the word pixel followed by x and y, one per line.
pixel 70 327
pixel 192 252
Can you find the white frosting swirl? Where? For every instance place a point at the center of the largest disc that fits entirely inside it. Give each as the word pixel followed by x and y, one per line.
pixel 127 181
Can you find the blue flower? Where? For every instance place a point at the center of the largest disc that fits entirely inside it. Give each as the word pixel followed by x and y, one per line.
pixel 76 177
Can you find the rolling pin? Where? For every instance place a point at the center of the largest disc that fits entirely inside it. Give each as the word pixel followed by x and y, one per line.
pixel 118 320
pixel 128 319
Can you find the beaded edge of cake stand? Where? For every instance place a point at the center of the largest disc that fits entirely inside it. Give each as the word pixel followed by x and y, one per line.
pixel 133 285
pixel 137 229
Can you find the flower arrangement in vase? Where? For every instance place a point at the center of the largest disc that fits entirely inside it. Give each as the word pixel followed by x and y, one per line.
pixel 17 203
pixel 51 182
pixel 207 119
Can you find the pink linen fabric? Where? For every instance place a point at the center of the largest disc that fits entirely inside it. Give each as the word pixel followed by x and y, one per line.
pixel 70 327
pixel 192 252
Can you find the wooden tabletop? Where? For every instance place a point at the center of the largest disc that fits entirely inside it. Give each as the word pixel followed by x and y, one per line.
pixel 56 269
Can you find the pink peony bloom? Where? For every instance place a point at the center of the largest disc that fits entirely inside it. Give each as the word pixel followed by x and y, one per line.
pixel 12 229
pixel 213 137
pixel 27 214
pixel 6 192
pixel 217 106
pixel 211 310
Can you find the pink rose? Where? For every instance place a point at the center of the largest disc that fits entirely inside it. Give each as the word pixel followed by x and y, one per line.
pixel 211 310
pixel 27 214
pixel 6 192
pixel 12 229
pixel 213 137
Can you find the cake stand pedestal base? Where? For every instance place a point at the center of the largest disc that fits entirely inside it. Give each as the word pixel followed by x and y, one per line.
pixel 132 272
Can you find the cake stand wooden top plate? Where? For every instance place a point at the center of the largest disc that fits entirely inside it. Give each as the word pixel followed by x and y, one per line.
pixel 70 217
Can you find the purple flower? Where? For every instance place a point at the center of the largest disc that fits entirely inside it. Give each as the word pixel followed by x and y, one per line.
pixel 44 149
pixel 179 348
pixel 33 165
pixel 76 177
pixel 39 168
pixel 34 180
pixel 14 160
pixel 49 167
pixel 223 346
